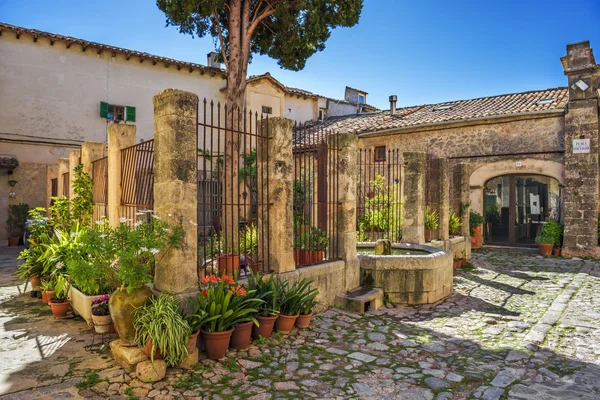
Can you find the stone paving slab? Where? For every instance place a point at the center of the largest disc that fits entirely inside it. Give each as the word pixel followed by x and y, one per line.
pixel 477 344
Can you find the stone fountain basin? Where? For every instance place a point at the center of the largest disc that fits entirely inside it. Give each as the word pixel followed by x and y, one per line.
pixel 413 274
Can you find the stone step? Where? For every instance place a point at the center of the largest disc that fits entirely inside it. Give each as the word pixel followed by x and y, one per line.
pixel 360 300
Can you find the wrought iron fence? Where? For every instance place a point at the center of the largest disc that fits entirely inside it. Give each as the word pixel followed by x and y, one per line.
pixel 137 179
pixel 100 188
pixel 379 195
pixel 233 199
pixel 66 181
pixel 315 195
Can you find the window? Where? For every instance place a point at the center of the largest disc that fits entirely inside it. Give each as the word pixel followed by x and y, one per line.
pixel 361 99
pixel 545 102
pixel 445 106
pixel 322 114
pixel 267 110
pixel 117 113
pixel 380 153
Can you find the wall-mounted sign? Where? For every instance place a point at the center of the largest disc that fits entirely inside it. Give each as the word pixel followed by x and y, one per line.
pixel 581 146
pixel 518 164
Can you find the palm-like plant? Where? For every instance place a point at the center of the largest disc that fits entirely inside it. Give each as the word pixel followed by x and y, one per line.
pixel 266 290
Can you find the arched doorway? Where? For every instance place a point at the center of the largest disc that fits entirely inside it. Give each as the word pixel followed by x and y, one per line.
pixel 516 206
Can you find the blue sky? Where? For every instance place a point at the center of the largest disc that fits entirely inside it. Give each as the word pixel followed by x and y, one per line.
pixel 423 51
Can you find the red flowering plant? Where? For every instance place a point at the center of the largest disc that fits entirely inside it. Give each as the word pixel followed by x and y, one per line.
pixel 223 303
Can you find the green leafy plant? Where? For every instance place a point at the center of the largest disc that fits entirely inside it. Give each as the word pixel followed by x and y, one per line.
pixel 454 224
pixel 544 239
pixel 294 299
pixel 313 239
pixel 32 266
pixel 17 217
pixel 82 207
pixel 249 243
pixel 492 215
pixel 266 290
pixel 475 219
pixel 61 289
pixel 551 229
pixel 382 210
pixel 431 218
pixel 161 324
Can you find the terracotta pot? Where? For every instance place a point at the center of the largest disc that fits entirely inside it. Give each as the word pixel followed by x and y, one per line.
pixel 297 256
pixel 193 341
pixel 240 339
pixel 427 235
pixel 59 310
pixel 556 251
pixel 216 343
pixel 455 264
pixel 14 241
pixel 285 323
pixel 311 256
pixel 148 350
pixel 477 238
pixel 545 248
pixel 256 266
pixel 47 295
pixel 102 323
pixel 122 307
pixel 461 262
pixel 265 326
pixel 35 282
pixel 228 263
pixel 303 320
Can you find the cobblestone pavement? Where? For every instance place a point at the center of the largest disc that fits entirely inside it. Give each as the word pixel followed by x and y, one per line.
pixel 517 327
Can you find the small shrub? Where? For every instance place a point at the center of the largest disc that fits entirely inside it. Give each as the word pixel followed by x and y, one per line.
pixel 475 219
pixel 454 224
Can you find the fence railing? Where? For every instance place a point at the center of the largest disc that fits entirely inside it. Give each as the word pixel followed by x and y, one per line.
pixel 137 179
pixel 100 188
pixel 315 195
pixel 233 199
pixel 379 195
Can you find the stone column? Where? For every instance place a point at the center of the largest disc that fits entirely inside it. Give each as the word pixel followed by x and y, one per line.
pixel 74 161
pixel 90 152
pixel 347 174
pixel 444 196
pixel 280 172
pixel 464 172
pixel 413 201
pixel 120 136
pixel 175 186
pixel 581 165
pixel 63 167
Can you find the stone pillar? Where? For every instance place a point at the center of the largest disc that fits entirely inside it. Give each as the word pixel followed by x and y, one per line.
pixel 413 201
pixel 444 198
pixel 51 173
pixel 74 161
pixel 63 167
pixel 120 136
pixel 280 171
pixel 581 192
pixel 464 172
pixel 90 152
pixel 347 175
pixel 175 186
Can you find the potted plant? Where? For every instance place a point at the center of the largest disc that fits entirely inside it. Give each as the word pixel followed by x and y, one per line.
pixel 101 314
pixel 32 267
pixel 15 223
pixel 291 302
pixel 308 304
pixel 266 314
pixel 249 248
pixel 228 261
pixel 313 242
pixel 462 260
pixel 225 305
pixel 431 222
pixel 161 330
pixel 545 243
pixel 551 229
pixel 137 249
pixel 47 289
pixel 454 224
pixel 455 263
pixel 59 303
pixel 476 221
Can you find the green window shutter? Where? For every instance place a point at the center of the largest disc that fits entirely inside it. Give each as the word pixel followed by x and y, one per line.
pixel 103 109
pixel 130 112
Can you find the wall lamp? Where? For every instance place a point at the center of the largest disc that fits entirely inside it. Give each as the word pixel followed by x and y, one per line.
pixel 12 184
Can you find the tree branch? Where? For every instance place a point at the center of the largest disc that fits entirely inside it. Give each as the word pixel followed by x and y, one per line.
pixel 221 39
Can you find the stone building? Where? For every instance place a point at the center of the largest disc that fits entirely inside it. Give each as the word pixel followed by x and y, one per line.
pixel 533 155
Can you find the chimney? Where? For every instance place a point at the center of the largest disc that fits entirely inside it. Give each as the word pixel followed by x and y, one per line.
pixel 393 99
pixel 212 60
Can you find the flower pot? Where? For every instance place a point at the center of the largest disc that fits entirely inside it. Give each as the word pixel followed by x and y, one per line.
pixel 427 235
pixel 297 256
pixel 477 238
pixel 240 339
pixel 47 295
pixel 193 341
pixel 13 241
pixel 35 282
pixel 228 263
pixel 256 266
pixel 264 328
pixel 455 264
pixel 216 343
pixel 303 321
pixel 148 350
pixel 545 248
pixel 82 304
pixel 59 310
pixel 102 323
pixel 311 256
pixel 461 262
pixel 556 251
pixel 122 307
pixel 285 323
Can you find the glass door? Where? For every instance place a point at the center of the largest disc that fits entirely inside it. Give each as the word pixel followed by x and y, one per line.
pixel 497 194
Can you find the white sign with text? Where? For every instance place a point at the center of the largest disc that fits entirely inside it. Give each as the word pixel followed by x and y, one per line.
pixel 581 146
